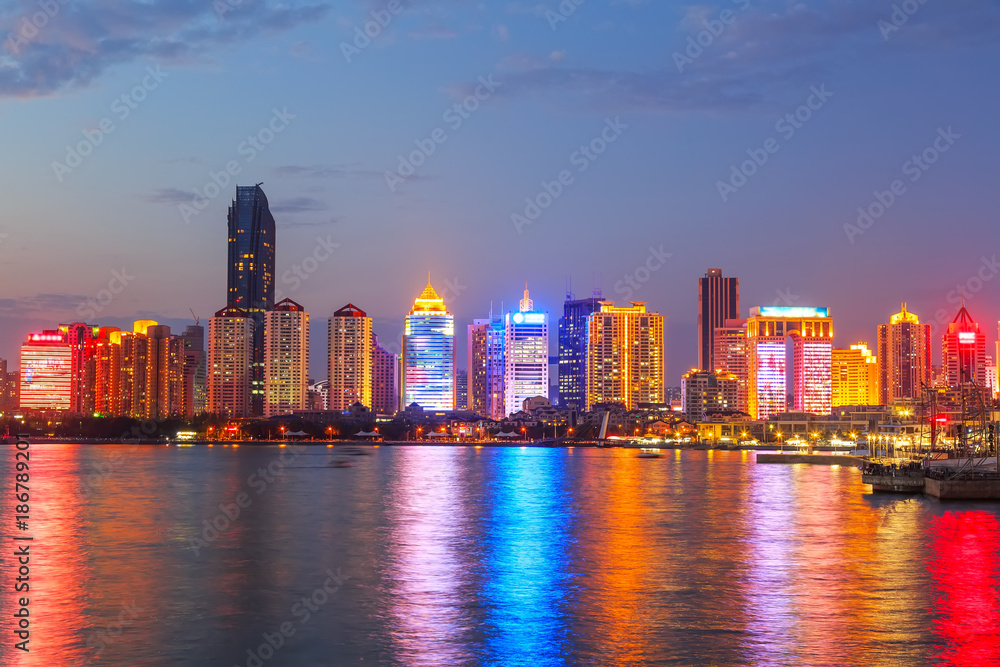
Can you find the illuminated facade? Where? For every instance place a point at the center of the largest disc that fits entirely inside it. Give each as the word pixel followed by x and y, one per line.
pixel 385 379
pixel 811 330
pixel 230 356
pixel 854 375
pixel 707 392
pixel 963 349
pixel 349 358
pixel 46 372
pixel 286 359
pixel 718 301
pixel 487 338
pixel 625 357
pixel 78 336
pixel 526 355
pixel 428 377
pixel 732 355
pixel 251 272
pixel 573 348
pixel 164 392
pixel 903 349
pixel 195 364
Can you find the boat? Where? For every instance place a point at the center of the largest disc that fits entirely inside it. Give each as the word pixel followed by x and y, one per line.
pixel 649 453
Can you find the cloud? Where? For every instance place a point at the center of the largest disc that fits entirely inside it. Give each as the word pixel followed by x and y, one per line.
pixel 168 196
pixel 298 205
pixel 28 306
pixel 326 171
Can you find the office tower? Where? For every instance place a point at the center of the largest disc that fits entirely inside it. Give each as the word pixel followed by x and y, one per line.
pixel 286 358
pixel 854 376
pixel 903 350
pixel 230 357
pixel 462 389
pixel 195 364
pixel 526 355
pixel 732 355
pixel 963 349
pixel 46 375
pixel 251 272
pixel 811 330
pixel 625 357
pixel 718 301
pixel 487 338
pixel 428 377
pixel 385 380
pixel 706 392
pixel 349 358
pixel 573 348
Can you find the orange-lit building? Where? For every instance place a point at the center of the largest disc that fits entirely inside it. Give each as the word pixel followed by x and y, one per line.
pixel 732 355
pixel 625 356
pixel 854 376
pixel 230 356
pixel 349 358
pixel 903 349
pixel 46 376
pixel 286 359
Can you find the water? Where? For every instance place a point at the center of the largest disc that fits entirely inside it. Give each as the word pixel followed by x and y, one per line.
pixel 506 556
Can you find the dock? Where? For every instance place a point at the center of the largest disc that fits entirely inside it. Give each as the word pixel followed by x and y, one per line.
pixel 812 459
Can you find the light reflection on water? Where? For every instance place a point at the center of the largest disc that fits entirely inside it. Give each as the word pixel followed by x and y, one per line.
pixel 457 555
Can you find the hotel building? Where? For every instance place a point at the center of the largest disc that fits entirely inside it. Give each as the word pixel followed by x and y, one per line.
pixel 625 358
pixel 963 349
pixel 428 344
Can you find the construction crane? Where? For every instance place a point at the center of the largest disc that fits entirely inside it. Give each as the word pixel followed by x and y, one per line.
pixel 196 320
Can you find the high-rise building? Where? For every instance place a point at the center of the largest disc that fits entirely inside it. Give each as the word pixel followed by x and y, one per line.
pixel 8 388
pixel 385 380
pixel 625 356
pixel 286 358
pixel 903 350
pixel 811 330
pixel 854 376
pixel 104 373
pixel 718 301
pixel 195 364
pixel 707 392
pixel 46 376
pixel 428 377
pixel 487 338
pixel 230 358
pixel 164 392
pixel 251 272
pixel 526 355
pixel 462 389
pixel 732 355
pixel 350 357
pixel 992 379
pixel 573 348
pixel 78 335
pixel 963 349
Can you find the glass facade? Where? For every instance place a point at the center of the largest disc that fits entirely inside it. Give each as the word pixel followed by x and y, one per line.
pixel 573 349
pixel 429 354
pixel 526 356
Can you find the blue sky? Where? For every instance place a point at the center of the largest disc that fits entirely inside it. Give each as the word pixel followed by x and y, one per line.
pixel 894 88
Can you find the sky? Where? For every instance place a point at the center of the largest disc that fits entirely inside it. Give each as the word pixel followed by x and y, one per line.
pixel 626 145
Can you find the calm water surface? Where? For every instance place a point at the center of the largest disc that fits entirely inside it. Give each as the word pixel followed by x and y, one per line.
pixel 507 556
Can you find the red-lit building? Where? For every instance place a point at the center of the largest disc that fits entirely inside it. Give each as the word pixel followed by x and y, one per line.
pixel 964 351
pixel 46 376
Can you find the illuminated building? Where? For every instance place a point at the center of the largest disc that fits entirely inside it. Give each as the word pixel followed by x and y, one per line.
pixel 707 392
pixel 811 330
pixel 573 348
pixel 963 349
pixel 428 377
pixel 385 380
pixel 195 364
pixel 486 367
pixel 718 301
pixel 230 356
pixel 46 372
pixel 854 376
pixel 78 336
pixel 732 355
pixel 349 358
pixel 286 358
pixel 462 389
pixel 625 357
pixel 903 350
pixel 9 389
pixel 526 355
pixel 164 393
pixel 104 373
pixel 251 272
pixel 992 381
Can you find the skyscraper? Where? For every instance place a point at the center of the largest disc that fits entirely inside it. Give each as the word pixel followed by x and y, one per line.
pixel 718 301
pixel 286 358
pixel 251 272
pixel 428 346
pixel 164 392
pixel 195 364
pixel 78 335
pixel 385 380
pixel 732 356
pixel 462 389
pixel 625 358
pixel 350 357
pixel 811 330
pixel 573 348
pixel 486 367
pixel 854 376
pixel 963 349
pixel 903 350
pixel 230 357
pixel 526 355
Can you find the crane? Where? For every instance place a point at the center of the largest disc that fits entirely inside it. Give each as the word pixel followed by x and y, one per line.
pixel 196 320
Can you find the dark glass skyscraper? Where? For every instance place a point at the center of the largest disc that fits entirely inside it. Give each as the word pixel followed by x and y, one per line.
pixel 251 272
pixel 718 301
pixel 573 348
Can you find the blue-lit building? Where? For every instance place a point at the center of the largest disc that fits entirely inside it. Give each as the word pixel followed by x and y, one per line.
pixel 428 345
pixel 486 367
pixel 573 348
pixel 251 273
pixel 526 355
